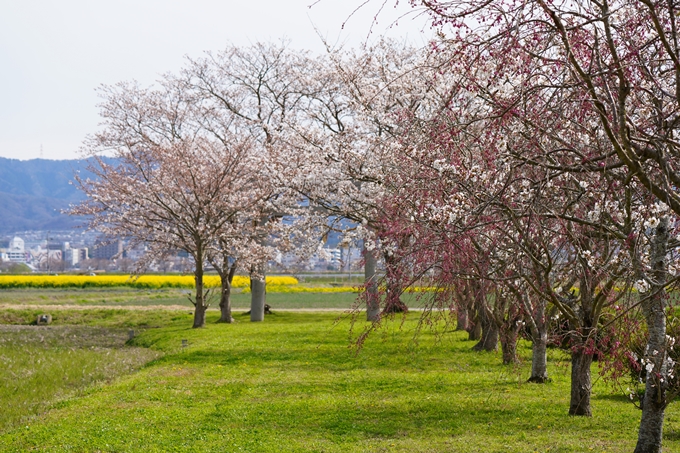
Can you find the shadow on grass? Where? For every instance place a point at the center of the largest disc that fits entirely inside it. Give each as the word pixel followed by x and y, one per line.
pixel 671 434
pixel 613 397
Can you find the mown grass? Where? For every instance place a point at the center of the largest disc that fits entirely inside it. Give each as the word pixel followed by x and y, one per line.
pixel 94 317
pixel 293 383
pixel 93 296
pixel 168 297
pixel 174 297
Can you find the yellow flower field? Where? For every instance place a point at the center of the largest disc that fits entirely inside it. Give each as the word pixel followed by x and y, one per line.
pixel 143 282
pixel 275 284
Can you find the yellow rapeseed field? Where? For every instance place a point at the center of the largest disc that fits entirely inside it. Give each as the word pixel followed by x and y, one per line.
pixel 275 284
pixel 143 282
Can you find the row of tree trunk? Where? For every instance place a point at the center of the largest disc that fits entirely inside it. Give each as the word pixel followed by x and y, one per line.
pixel 489 324
pixel 257 290
pixel 501 322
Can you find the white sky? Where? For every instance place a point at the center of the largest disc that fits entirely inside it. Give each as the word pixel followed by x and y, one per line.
pixel 54 54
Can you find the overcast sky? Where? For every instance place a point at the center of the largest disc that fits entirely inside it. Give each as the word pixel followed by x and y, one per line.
pixel 54 54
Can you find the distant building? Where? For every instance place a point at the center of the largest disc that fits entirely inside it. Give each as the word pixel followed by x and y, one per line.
pixel 106 250
pixel 71 257
pixel 45 259
pixel 57 246
pixel 335 255
pixel 16 252
pixel 136 253
pixel 74 256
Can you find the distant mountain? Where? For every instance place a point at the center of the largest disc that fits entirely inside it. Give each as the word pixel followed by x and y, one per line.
pixel 32 193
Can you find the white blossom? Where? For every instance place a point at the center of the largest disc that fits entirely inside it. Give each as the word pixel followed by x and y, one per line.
pixel 641 286
pixel 652 222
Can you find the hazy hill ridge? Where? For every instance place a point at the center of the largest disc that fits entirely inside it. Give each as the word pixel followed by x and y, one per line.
pixel 32 193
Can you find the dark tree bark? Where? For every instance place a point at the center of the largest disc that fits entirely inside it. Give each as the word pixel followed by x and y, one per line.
pixel 489 337
pixel 461 318
pixel 463 307
pixel 507 317
pixel 466 300
pixel 580 383
pixel 199 303
pixel 489 340
pixel 509 332
pixel 226 278
pixel 474 327
pixel 393 290
pixel 581 334
pixel 653 307
pixel 509 347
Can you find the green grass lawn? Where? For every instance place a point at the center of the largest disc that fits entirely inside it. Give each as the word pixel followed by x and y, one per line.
pixel 166 296
pixel 294 383
pixel 176 297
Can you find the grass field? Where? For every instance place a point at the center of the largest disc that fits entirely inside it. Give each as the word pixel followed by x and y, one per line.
pixel 166 296
pixel 292 383
pixel 41 367
pixel 121 297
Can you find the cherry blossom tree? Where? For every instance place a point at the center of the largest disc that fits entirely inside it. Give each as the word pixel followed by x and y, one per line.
pixel 262 89
pixel 612 67
pixel 343 146
pixel 538 205
pixel 171 197
pixel 179 179
pixel 235 101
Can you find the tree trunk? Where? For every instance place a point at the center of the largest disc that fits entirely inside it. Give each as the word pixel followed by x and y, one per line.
pixel 508 337
pixel 539 358
pixel 580 383
pixel 370 279
pixel 461 318
pixel 654 402
pixel 225 303
pixel 539 349
pixel 474 326
pixel 393 302
pixel 489 340
pixel 393 287
pixel 258 291
pixel 225 297
pixel 199 306
pixel 651 424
